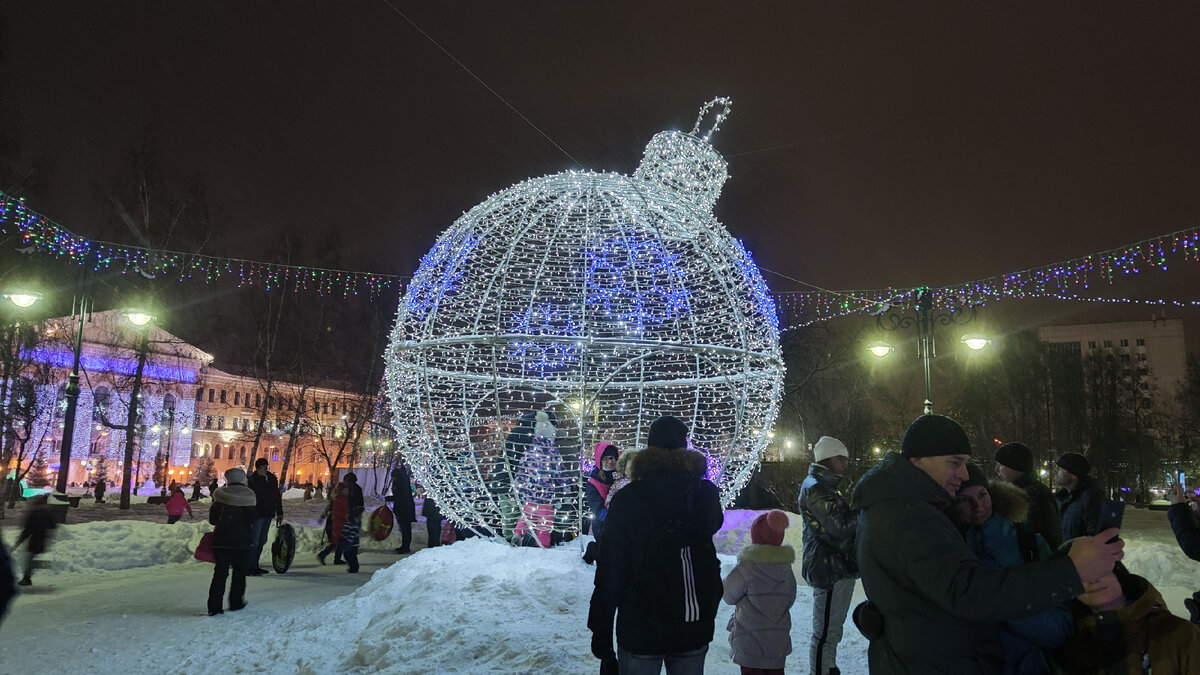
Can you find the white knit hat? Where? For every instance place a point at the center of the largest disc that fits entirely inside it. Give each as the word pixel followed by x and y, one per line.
pixel 829 447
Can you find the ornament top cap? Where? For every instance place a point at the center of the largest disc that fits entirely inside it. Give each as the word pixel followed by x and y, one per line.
pixel 686 163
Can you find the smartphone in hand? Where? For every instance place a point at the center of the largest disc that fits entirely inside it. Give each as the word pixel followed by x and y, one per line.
pixel 1111 513
pixel 1183 482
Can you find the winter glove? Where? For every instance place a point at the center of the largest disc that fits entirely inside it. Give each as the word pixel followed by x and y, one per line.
pixel 602 646
pixel 1193 607
pixel 608 665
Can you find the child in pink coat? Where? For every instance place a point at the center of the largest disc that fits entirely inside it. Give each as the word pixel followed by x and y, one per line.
pixel 176 504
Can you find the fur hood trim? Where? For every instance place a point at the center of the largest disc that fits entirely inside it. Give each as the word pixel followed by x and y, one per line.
pixel 235 495
pixel 762 553
pixel 1009 501
pixel 680 460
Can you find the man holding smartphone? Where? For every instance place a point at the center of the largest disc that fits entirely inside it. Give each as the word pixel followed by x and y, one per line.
pixel 1183 514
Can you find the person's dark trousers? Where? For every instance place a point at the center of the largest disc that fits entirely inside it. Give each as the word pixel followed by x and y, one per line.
pixel 227 560
pixel 171 520
pixel 435 533
pixel 405 536
pixel 331 548
pixel 258 536
pixel 351 557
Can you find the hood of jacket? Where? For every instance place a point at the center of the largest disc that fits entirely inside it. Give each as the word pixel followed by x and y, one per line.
pixel 235 495
pixel 1009 501
pixel 894 477
pixel 654 460
pixel 823 474
pixel 598 451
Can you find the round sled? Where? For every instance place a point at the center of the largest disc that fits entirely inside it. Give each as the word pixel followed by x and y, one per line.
pixel 283 549
pixel 381 523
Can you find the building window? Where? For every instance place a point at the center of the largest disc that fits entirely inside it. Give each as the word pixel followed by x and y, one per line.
pixel 100 397
pixel 1141 342
pixel 200 394
pixel 237 398
pixel 1124 358
pixel 1108 343
pixel 211 394
pixel 233 423
pixel 208 420
pixel 1142 356
pixel 1124 342
pixel 222 396
pixel 326 407
pixel 274 456
pixel 1091 344
pixel 217 452
pixel 195 420
pixel 258 400
pixel 220 422
pixel 243 453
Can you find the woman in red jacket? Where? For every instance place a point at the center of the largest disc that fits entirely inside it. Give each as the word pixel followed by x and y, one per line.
pixel 337 511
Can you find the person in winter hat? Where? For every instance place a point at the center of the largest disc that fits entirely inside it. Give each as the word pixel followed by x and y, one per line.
pixel 355 506
pixel 665 612
pixel 763 587
pixel 595 492
pixel 541 483
pixel 269 503
pixel 993 516
pixel 402 505
pixel 1014 463
pixel 1122 625
pixel 932 607
pixel 176 504
pixel 829 565
pixel 1080 500
pixel 233 513
pixel 622 475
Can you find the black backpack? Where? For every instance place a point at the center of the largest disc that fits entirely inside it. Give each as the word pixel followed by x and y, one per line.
pixel 677 577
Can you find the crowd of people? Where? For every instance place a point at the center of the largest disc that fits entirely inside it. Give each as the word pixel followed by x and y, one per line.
pixel 965 570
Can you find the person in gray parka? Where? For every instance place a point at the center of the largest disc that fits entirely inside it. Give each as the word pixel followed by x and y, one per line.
pixel 829 565
pixel 763 587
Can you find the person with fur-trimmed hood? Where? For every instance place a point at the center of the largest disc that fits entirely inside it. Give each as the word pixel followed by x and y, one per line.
pixel 994 517
pixel 664 612
pixel 830 566
pixel 763 588
pixel 232 513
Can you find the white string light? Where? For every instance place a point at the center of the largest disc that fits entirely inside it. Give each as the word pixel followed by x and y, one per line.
pixel 603 299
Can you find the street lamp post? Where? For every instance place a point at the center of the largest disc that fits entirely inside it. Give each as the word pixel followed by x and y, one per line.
pixel 142 320
pixel 924 318
pixel 79 312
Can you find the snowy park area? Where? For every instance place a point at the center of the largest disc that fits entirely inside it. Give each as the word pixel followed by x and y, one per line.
pixel 125 595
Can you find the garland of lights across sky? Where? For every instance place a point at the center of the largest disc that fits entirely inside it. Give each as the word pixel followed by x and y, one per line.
pixel 598 301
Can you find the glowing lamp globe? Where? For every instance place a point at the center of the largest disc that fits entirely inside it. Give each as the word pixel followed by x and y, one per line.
pixel 602 300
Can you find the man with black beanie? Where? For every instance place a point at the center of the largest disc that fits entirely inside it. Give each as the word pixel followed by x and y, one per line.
pixel 1014 463
pixel 1079 500
pixel 657 569
pixel 931 606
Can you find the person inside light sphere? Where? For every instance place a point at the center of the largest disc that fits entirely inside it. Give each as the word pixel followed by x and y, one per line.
pixel 541 482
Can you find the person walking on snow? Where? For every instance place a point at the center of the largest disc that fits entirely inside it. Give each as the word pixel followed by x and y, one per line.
pixel 763 587
pixel 270 503
pixel 35 534
pixel 350 531
pixel 336 511
pixel 830 566
pixel 175 506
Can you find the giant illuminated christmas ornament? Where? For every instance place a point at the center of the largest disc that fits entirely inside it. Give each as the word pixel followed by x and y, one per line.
pixel 578 308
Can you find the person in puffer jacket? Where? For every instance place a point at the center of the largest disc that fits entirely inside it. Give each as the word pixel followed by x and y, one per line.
pixel 763 587
pixel 232 512
pixel 830 565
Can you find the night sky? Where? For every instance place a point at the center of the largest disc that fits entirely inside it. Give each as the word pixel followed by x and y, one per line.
pixel 870 144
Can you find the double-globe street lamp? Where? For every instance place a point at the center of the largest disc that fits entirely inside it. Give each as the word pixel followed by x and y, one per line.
pixel 924 317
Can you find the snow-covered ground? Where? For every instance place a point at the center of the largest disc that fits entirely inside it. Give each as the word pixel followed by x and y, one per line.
pixel 126 596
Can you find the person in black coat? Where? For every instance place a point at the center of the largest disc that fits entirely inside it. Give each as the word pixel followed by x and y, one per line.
pixel 1079 500
pixel 233 514
pixel 1014 463
pixel 36 531
pixel 8 579
pixel 403 509
pixel 270 503
pixel 433 521
pixel 638 572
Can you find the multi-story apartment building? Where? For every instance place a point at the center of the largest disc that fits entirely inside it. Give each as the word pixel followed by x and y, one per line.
pixel 1155 348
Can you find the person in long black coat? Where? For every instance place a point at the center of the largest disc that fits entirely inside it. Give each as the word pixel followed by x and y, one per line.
pixel 233 513
pixel 403 508
pixel 433 521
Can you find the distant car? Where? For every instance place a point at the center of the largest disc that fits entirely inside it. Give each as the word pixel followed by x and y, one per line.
pixel 1159 505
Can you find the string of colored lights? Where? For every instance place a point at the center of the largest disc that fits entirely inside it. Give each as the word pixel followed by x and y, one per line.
pixel 46 236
